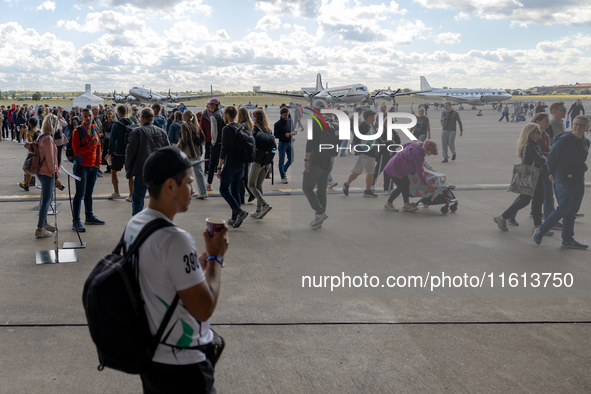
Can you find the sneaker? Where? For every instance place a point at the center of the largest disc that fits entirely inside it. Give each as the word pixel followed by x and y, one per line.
pixel 318 219
pixel 373 188
pixel 49 227
pixel 265 210
pixel 114 196
pixel 557 226
pixel 43 233
pixel 410 208
pixel 390 207
pixel 502 223
pixel 284 180
pixel 129 198
pixel 512 222
pixel 444 161
pixel 240 218
pixel 546 234
pixel 573 245
pixel 453 157
pixel 579 215
pixel 23 186
pixel 231 222
pixel 201 196
pixel 93 220
pixel 251 198
pixel 537 237
pixel 78 226
pixel 370 194
pixel 345 189
pixel 209 189
pixel 332 184
pixel 99 174
pixel 255 214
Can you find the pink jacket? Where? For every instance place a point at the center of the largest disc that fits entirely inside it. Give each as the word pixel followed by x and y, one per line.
pixel 409 160
pixel 46 146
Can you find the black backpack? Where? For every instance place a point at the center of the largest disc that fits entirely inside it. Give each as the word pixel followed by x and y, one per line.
pixel 69 149
pixel 328 137
pixel 115 309
pixel 244 145
pixel 265 146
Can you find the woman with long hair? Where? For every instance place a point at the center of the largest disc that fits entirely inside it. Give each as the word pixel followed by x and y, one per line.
pixel 528 150
pixel 191 140
pixel 47 174
pixel 21 121
pixel 244 118
pixel 265 144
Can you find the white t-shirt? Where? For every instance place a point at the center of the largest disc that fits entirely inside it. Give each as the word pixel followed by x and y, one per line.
pixel 168 263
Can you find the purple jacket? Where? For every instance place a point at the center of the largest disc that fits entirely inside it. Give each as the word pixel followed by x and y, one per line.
pixel 411 159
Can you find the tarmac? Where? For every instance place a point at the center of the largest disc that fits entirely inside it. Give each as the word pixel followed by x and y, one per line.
pixel 285 338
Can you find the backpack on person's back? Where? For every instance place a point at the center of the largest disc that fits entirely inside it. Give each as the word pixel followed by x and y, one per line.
pixel 33 162
pixel 265 146
pixel 244 145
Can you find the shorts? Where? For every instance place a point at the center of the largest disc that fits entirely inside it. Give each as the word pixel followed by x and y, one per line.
pixel 179 379
pixel 22 126
pixel 364 164
pixel 117 163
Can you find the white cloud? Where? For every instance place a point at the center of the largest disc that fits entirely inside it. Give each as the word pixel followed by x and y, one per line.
pixel 448 38
pixel 109 21
pixel 269 22
pixel 46 5
pixel 523 12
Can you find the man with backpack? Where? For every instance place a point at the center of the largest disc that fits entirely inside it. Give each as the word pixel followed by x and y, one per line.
pixel 141 142
pixel 86 146
pixel 170 266
pixel 116 150
pixel 237 149
pixel 317 167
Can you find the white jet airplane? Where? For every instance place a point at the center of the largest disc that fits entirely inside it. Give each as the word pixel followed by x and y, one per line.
pixel 142 95
pixel 349 94
pixel 466 96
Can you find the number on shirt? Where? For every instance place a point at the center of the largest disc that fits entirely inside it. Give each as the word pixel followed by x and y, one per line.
pixel 191 262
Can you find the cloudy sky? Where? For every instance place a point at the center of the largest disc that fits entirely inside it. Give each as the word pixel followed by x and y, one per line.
pixel 278 44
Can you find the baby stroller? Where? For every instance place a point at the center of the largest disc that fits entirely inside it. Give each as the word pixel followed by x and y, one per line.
pixel 442 195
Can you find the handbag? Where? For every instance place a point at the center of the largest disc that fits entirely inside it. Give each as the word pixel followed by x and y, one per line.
pixel 525 178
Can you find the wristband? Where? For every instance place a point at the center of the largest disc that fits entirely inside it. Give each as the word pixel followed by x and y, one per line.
pixel 216 258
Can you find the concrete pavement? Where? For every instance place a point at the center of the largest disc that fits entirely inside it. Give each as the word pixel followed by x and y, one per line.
pixel 282 338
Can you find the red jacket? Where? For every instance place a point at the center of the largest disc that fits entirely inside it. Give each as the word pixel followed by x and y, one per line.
pixel 91 154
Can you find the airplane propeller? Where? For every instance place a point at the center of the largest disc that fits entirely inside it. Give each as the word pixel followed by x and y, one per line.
pixel 150 95
pixel 169 97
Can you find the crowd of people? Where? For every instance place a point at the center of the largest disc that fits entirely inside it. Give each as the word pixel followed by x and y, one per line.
pixel 123 138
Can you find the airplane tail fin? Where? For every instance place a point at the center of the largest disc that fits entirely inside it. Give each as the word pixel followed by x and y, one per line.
pixel 319 83
pixel 424 84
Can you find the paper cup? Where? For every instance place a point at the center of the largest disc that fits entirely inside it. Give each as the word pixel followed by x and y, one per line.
pixel 214 226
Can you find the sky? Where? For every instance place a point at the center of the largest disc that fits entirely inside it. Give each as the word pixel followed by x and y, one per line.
pixel 276 44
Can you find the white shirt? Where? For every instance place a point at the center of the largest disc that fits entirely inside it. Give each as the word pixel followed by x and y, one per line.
pixel 168 263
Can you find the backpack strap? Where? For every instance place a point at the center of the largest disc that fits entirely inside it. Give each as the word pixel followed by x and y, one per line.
pixel 144 234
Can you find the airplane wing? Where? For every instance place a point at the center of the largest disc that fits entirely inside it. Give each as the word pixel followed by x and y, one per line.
pixel 195 97
pixel 281 94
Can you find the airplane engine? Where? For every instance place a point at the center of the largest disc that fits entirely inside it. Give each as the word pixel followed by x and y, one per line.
pixel 476 100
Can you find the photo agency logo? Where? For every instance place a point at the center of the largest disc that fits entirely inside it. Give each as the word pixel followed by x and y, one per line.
pixel 369 141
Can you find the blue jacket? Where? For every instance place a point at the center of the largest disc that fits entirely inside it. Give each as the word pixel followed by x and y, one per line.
pixel 174 133
pixel 567 157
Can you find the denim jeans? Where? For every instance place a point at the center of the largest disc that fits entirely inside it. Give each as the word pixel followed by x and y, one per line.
pixel 316 177
pixel 138 195
pixel 84 189
pixel 46 196
pixel 283 148
pixel 548 196
pixel 569 195
pixel 230 187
